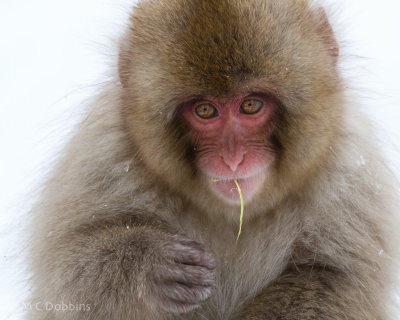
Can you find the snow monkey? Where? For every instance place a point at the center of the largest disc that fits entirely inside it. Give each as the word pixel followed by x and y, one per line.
pixel 140 217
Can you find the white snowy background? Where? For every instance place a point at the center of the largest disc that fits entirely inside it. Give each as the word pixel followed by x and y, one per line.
pixel 54 54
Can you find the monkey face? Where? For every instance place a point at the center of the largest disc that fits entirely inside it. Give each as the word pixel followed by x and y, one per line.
pixel 231 140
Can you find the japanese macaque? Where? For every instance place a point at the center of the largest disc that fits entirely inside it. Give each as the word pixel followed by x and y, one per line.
pixel 140 217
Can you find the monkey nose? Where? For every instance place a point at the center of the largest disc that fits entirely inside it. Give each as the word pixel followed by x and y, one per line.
pixel 233 161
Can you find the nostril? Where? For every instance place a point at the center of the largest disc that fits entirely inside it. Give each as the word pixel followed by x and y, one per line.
pixel 233 162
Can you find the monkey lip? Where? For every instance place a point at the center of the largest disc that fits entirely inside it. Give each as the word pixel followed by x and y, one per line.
pixel 228 190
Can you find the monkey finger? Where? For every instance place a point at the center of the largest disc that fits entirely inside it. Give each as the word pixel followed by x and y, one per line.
pixel 183 273
pixel 191 275
pixel 184 294
pixel 192 253
pixel 185 241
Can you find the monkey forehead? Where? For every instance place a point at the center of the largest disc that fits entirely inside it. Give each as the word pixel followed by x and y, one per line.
pixel 214 46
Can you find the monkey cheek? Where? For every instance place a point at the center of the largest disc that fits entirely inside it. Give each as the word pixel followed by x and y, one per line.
pixel 228 191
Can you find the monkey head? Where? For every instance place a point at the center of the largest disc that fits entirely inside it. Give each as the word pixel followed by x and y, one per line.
pixel 217 92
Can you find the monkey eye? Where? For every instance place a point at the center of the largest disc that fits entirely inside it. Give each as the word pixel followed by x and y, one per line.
pixel 251 106
pixel 206 111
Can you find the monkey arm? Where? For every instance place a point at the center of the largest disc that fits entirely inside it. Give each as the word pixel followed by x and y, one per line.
pixel 329 278
pixel 91 265
pixel 307 293
pixel 312 293
pixel 121 272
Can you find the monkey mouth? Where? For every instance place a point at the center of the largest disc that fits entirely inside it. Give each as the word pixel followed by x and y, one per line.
pixel 228 190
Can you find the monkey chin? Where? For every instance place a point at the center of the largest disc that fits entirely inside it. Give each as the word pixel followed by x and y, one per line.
pixel 227 190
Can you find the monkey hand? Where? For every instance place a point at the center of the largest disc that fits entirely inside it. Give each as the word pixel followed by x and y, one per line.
pixel 185 277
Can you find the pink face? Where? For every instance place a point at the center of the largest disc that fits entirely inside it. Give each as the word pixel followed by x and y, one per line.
pixel 232 142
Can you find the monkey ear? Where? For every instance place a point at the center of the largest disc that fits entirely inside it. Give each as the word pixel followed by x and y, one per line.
pixel 124 61
pixel 326 32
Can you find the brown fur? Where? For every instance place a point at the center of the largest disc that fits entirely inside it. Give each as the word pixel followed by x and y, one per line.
pixel 317 240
